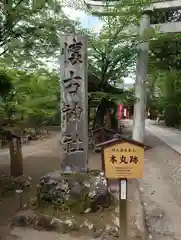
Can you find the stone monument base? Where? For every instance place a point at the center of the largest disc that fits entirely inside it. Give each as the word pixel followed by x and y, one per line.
pixel 78 192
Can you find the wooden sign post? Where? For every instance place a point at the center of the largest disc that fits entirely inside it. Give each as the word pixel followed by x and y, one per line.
pixel 122 159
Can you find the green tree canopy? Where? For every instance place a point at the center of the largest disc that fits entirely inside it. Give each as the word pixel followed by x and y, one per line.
pixel 32 96
pixel 30 30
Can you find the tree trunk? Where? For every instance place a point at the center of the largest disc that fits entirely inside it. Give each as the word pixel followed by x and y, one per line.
pixel 16 156
pixel 47 131
pixel 89 116
pixel 37 130
pixel 113 119
pixel 172 115
pixel 100 113
pixel 99 118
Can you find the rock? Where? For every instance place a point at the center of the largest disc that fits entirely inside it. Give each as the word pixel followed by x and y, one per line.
pixel 105 236
pixel 25 206
pixel 8 183
pixel 23 218
pixel 71 224
pixel 19 191
pixel 88 228
pixel 27 184
pixel 22 182
pixel 141 190
pixel 116 221
pixel 30 178
pixel 59 225
pixel 88 210
pixel 80 192
pixel 97 233
pixel 33 201
pixel 115 233
pixel 88 225
pixel 112 231
pixel 108 227
pixel 117 210
pixel 43 222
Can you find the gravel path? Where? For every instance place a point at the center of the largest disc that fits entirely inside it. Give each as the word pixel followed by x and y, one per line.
pixel 162 190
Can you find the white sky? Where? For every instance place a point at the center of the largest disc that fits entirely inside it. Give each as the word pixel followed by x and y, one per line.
pixel 90 22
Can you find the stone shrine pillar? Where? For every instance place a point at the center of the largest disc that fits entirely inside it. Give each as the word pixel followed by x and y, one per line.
pixel 74 103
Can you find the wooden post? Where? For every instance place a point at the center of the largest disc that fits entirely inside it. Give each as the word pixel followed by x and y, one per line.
pixel 74 103
pixel 16 157
pixel 123 209
pixel 122 159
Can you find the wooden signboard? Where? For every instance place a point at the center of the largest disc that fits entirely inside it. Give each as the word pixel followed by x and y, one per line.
pixel 122 159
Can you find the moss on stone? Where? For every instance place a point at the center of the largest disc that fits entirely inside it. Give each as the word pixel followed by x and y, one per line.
pixel 74 192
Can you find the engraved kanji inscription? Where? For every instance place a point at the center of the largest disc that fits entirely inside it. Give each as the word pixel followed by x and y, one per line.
pixel 75 53
pixel 72 83
pixel 73 111
pixel 72 145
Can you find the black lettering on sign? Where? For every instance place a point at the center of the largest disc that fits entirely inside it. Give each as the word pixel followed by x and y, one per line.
pixel 123 159
pixel 133 159
pixel 113 159
pixel 117 150
pixel 123 150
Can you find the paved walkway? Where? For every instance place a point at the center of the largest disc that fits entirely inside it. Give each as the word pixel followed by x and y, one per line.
pixel 170 136
pixel 161 185
pixel 162 182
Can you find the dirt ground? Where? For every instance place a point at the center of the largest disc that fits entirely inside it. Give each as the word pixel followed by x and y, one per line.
pixel 161 185
pixel 40 157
